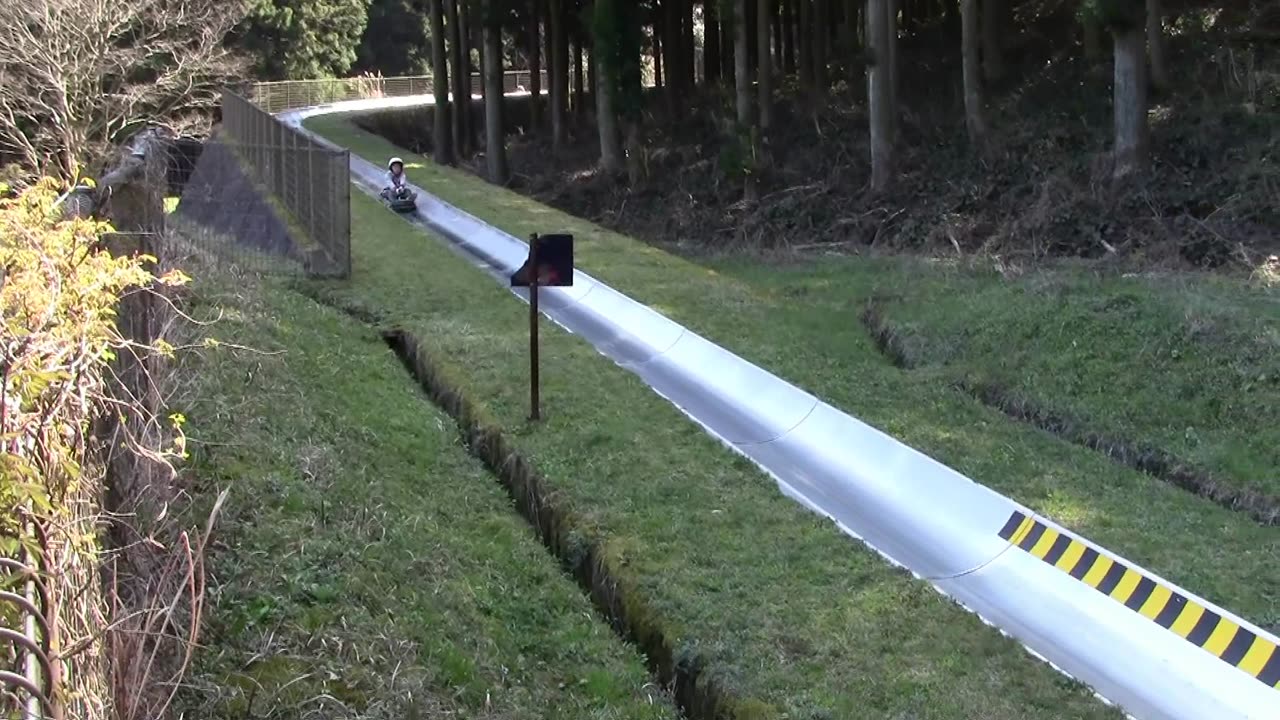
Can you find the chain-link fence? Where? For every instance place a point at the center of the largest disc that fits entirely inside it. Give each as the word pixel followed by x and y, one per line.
pixel 282 195
pixel 287 193
pixel 275 97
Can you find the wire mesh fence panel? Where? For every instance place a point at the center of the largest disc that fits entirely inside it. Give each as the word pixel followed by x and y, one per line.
pixel 276 97
pixel 284 95
pixel 407 86
pixel 279 193
pixel 522 81
pixel 301 215
pixel 297 226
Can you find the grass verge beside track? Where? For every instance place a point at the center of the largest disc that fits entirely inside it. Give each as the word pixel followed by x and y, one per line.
pixel 813 337
pixel 771 603
pixel 1187 364
pixel 367 566
pixel 1183 366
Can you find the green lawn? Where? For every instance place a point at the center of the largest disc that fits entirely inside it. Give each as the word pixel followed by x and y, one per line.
pixel 367 565
pixel 1187 364
pixel 804 325
pixel 795 619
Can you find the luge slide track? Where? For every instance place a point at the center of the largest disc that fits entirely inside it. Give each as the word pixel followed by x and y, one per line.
pixel 1139 641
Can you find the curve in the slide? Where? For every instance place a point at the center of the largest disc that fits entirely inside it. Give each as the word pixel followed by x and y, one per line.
pixel 1139 641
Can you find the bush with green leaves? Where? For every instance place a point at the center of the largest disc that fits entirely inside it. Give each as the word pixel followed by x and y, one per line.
pixel 59 291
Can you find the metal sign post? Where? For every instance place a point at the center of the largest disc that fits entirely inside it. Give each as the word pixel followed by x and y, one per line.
pixel 534 409
pixel 550 264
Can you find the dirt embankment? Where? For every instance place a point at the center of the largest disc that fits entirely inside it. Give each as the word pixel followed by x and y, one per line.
pixel 1210 199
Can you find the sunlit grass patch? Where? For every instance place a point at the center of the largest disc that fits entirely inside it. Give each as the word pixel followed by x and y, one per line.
pixel 368 566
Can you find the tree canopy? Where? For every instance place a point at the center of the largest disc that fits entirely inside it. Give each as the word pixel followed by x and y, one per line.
pixel 299 39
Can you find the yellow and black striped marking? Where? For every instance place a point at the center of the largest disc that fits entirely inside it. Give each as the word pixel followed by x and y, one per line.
pixel 1257 656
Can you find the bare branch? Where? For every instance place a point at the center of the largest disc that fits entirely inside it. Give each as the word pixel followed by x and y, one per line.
pixel 77 74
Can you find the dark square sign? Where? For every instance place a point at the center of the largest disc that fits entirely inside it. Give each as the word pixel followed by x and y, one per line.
pixel 554 255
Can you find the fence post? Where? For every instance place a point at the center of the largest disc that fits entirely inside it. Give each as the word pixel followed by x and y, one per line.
pixel 258 148
pixel 343 201
pixel 292 170
pixel 311 193
pixel 282 152
pixel 262 139
pixel 277 177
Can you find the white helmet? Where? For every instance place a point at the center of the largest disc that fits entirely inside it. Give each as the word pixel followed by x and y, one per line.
pixel 393 161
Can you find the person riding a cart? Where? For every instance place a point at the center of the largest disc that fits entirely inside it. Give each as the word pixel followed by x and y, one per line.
pixel 396 193
pixel 394 177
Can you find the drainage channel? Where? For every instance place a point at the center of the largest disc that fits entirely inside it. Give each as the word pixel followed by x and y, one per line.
pixel 697 696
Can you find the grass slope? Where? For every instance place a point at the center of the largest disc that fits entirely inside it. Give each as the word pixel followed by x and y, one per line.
pixel 368 567
pixel 1189 365
pixel 782 609
pixel 807 330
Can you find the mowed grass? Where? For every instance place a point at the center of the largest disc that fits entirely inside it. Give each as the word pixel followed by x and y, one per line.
pixel 1187 364
pixel 366 565
pixel 796 619
pixel 804 325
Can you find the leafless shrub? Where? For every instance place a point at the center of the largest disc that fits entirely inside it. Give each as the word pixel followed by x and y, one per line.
pixel 156 632
pixel 77 74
